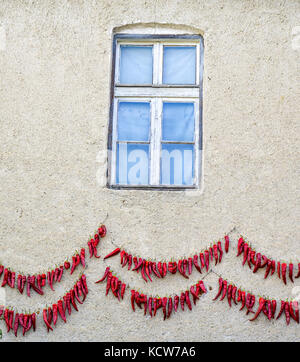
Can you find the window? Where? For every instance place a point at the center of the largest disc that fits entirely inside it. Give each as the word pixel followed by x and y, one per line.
pixel 155 133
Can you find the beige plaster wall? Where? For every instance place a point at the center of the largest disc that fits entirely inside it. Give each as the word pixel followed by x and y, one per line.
pixel 54 107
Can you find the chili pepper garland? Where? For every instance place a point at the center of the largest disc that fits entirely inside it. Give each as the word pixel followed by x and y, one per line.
pixel 37 282
pixel 151 304
pixel 184 266
pixel 260 261
pixel 266 306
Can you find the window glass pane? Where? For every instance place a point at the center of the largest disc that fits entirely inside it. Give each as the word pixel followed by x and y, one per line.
pixel 179 65
pixel 177 164
pixel 136 64
pixel 132 164
pixel 178 122
pixel 133 121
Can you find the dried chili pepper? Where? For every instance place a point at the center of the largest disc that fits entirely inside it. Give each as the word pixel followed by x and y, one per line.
pixel 143 271
pixel 224 289
pixel 104 276
pixel 190 265
pixel 187 299
pixel 283 272
pixel 246 249
pixel 211 254
pixel 132 299
pixel 181 271
pixel 125 259
pixel 72 294
pixel 5 278
pixel 94 244
pixel 298 274
pixel 233 294
pixel 201 286
pixel 182 300
pixel 220 250
pixel 140 263
pixel 274 306
pixel 220 289
pixel 61 310
pixel 229 290
pixel 147 270
pixel 54 309
pixel 123 288
pixel 164 306
pixel 195 261
pixel 281 309
pixel 129 261
pixel 287 312
pixel 240 246
pixel 202 260
pixel 260 308
pixel 291 269
pixel 294 310
pixel 170 307
pixel 268 269
pixel 172 267
pixel 243 299
pixel 46 320
pixel 102 231
pixel 194 294
pixel 176 302
pixel 278 269
pixel 206 254
pixel 108 282
pixel 150 306
pixel 226 243
pixel 82 257
pixel 33 318
pixel 257 262
pixel 113 253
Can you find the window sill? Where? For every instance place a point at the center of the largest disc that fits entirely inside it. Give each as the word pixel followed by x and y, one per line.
pixel 152 187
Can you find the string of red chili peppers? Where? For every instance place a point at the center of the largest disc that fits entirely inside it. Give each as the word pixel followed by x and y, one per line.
pixel 260 261
pixel 183 266
pixel 14 320
pixel 37 282
pixel 266 305
pixel 152 304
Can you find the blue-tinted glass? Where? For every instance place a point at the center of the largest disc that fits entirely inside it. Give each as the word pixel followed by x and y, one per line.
pixel 132 164
pixel 133 121
pixel 136 64
pixel 178 122
pixel 177 164
pixel 179 65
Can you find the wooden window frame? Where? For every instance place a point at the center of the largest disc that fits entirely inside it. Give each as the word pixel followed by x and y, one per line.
pixel 156 94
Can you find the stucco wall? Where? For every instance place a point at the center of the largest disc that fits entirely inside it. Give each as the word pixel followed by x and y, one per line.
pixel 54 107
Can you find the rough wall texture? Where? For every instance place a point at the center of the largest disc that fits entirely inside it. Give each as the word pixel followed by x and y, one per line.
pixel 54 106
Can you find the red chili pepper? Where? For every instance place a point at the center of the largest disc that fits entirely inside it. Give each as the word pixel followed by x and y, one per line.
pixel 180 265
pixel 13 279
pixel 125 259
pixel 81 289
pixel 194 294
pixel 291 269
pixel 164 269
pixel 233 294
pixel 46 320
pixel 172 267
pixel 16 324
pixel 6 318
pixel 132 299
pixel 150 306
pixel 61 273
pixel 129 261
pixel 220 289
pixel 246 249
pixel 1 270
pixel 68 302
pixel 140 263
pixel 190 265
pixel 201 286
pixel 56 273
pixel 82 257
pixel 298 274
pixel 135 261
pixel 250 304
pixel 274 306
pixel 104 276
pixel 273 267
pixel 113 253
pixel 145 301
pixel 5 278
pixel 240 246
pixel 19 284
pixel 28 285
pixel 260 308
pixel 283 272
pixel 226 243
pixel 294 310
pixel 61 310
pixel 33 319
pixel 229 294
pixel 278 269
pixel 182 300
pixel 239 298
pixel 91 249
pixel 220 251
pixel 206 254
pixel 54 309
pixel 67 265
pixel 108 282
pixel 216 253
pixel 123 288
pixel 268 269
pixel 155 270
pixel 102 231
pixel 202 260
pixel 187 299
pixel 249 258
pixel 176 302
pixel 147 270
pixel 76 291
pixel 243 298
pixel 143 271
pixel 281 309
pixel 195 261
pixel 170 307
pixel 287 312
pixel 224 289
pixel 72 294
pixel 211 254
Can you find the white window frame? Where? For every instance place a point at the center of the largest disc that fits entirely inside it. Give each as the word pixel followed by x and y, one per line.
pixel 156 94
